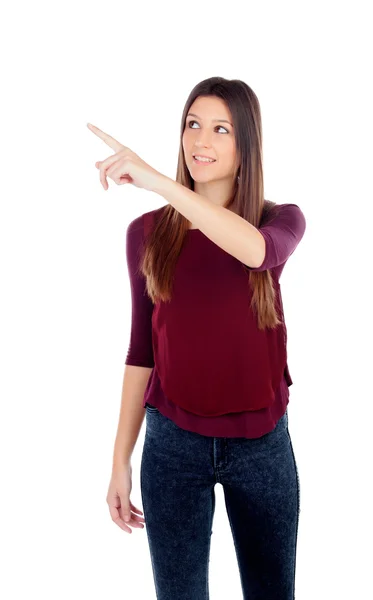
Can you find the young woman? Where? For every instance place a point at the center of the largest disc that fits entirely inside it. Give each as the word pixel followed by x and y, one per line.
pixel 207 356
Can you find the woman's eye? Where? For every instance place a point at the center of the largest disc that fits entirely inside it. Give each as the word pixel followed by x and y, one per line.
pixel 218 126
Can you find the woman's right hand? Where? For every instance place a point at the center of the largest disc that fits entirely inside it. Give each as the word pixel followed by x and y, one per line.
pixel 118 499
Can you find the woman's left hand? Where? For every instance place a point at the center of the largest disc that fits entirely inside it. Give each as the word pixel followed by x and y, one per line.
pixel 124 166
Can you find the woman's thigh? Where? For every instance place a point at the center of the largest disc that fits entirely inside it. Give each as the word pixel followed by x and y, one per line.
pixel 178 497
pixel 261 491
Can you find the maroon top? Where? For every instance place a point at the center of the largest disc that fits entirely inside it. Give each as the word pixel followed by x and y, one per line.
pixel 214 372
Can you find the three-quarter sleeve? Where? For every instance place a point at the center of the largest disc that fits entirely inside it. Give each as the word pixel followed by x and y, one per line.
pixel 282 235
pixel 140 351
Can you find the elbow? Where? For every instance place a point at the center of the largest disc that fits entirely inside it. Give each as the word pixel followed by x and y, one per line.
pixel 261 252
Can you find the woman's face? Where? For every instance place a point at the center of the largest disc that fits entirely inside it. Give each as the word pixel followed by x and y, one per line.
pixel 211 134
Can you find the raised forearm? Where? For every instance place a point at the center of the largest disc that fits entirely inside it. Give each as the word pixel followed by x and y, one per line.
pixel 229 231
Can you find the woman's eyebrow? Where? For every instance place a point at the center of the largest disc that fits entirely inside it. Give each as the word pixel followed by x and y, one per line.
pixel 219 120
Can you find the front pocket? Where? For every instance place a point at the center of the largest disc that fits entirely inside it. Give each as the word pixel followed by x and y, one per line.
pixel 151 408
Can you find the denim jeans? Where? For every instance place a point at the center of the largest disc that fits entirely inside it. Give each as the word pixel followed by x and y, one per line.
pixel 179 470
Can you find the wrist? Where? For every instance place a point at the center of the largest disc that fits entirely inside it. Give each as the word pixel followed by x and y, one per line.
pixel 121 462
pixel 161 184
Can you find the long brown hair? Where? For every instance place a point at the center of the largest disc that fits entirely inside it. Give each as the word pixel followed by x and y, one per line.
pixel 165 241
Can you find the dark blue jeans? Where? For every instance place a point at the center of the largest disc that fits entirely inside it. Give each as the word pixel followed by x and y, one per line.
pixel 179 470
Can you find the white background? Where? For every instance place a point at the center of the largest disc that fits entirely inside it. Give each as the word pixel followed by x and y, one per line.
pixel 65 301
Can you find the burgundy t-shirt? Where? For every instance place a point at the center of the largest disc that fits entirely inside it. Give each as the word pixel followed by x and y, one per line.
pixel 196 338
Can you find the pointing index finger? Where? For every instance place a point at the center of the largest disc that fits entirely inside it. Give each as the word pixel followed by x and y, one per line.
pixel 108 139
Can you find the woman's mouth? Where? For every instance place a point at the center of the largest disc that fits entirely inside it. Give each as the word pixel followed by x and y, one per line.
pixel 203 162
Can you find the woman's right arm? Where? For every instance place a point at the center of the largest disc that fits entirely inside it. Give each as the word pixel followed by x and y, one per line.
pixel 139 364
pixel 140 360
